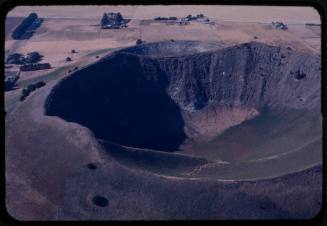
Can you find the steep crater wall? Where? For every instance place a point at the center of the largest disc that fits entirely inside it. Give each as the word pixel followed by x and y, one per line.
pixel 172 48
pixel 158 101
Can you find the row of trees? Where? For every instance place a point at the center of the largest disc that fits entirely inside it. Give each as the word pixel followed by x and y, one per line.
pixel 27 23
pixel 166 18
pixel 23 26
pixel 190 17
pixel 30 88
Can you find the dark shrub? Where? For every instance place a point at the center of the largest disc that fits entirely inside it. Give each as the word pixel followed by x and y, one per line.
pixel 25 92
pixel 15 58
pixel 139 41
pixel 40 84
pixel 31 88
pixel 299 75
pixel 68 59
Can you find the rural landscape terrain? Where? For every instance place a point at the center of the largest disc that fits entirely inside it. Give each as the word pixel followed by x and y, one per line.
pixel 163 112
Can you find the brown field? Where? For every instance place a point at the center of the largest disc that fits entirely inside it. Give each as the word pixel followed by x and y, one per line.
pixel 263 14
pixel 79 29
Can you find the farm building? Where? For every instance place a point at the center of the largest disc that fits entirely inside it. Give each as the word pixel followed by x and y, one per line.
pixel 34 67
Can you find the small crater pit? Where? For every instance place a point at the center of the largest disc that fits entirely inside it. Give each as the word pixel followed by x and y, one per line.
pixel 100 201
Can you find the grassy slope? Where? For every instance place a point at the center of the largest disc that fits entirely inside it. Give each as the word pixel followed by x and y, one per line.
pixel 266 135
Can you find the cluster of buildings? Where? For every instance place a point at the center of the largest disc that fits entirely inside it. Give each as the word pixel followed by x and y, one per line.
pixel 198 18
pixel 279 25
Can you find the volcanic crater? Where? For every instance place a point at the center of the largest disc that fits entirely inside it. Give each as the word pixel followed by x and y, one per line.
pixel 200 109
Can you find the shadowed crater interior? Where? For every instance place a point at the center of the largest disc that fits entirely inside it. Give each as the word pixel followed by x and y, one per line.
pixel 122 102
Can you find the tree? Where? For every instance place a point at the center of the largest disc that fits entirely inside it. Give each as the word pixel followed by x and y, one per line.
pixel 24 92
pixel 15 58
pixel 33 57
pixel 40 84
pixel 104 20
pixel 119 17
pixel 31 88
